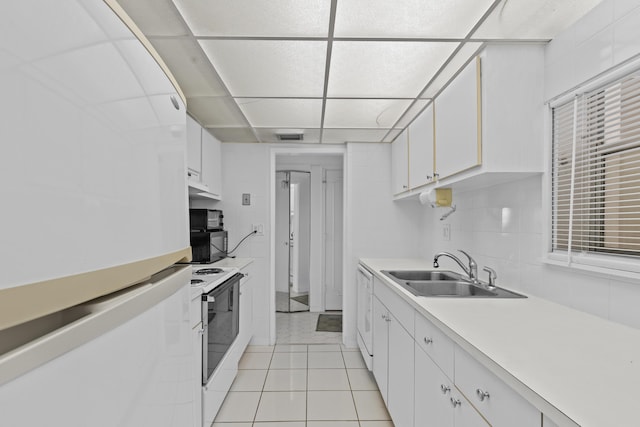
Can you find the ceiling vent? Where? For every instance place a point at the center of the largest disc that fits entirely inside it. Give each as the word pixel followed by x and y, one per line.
pixel 290 136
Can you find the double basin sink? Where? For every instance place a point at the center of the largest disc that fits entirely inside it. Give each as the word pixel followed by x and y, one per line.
pixel 428 283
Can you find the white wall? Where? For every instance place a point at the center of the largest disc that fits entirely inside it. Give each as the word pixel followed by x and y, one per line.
pixel 375 226
pixel 502 226
pixel 245 169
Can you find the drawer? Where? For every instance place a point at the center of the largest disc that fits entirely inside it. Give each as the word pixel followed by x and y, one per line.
pixel 496 401
pixel 400 309
pixel 435 343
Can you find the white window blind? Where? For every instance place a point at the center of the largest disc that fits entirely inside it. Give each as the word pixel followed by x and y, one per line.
pixel 596 172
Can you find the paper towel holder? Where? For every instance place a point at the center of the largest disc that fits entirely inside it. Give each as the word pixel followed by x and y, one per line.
pixel 437 198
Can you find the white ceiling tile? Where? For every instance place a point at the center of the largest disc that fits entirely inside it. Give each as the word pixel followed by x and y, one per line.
pixel 526 19
pixel 155 17
pixel 338 136
pixel 271 134
pixel 190 66
pixel 282 18
pixel 467 51
pixel 408 18
pixel 364 113
pixel 231 134
pixel 384 69
pixel 269 68
pixel 412 112
pixel 282 113
pixel 216 111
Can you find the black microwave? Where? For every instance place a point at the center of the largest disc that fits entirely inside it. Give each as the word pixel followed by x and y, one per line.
pixel 208 246
pixel 205 220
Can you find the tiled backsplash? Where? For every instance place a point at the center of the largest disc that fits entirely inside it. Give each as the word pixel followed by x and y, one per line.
pixel 502 228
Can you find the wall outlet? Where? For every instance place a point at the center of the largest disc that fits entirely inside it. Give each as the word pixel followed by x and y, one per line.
pixel 446 232
pixel 258 229
pixel 246 199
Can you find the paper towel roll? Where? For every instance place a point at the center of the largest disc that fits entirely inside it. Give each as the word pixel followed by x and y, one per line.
pixel 428 197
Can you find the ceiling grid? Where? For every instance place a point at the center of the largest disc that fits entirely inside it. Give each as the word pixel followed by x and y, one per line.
pixel 334 71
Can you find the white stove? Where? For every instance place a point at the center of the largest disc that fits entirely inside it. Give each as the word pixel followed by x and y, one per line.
pixel 206 278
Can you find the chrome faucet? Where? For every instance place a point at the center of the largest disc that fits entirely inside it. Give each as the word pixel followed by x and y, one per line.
pixel 471 270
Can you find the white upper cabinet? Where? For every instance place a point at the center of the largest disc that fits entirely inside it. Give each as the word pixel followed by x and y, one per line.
pixel 204 162
pixel 211 175
pixel 400 164
pixel 194 149
pixel 458 143
pixel 421 134
pixel 487 125
pixel 504 139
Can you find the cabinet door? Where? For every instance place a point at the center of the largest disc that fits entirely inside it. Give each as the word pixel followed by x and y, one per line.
pixel 380 347
pixel 432 392
pixel 211 163
pixel 421 149
pixel 400 164
pixel 194 148
pixel 400 374
pixel 458 132
pixel 246 314
pixel 465 415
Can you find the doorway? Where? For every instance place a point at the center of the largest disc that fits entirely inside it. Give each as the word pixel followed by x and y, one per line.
pixel 293 241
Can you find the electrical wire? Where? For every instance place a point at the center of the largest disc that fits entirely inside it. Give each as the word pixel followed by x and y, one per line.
pixel 236 247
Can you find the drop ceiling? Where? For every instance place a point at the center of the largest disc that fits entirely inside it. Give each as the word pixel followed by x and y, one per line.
pixel 334 71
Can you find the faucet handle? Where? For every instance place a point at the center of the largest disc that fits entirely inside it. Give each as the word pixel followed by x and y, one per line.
pixel 492 275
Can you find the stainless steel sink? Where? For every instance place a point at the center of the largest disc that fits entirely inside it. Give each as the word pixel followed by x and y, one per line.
pixel 423 275
pixel 427 283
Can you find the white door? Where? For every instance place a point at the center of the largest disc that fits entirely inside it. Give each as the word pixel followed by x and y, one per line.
pixel 282 232
pixel 333 240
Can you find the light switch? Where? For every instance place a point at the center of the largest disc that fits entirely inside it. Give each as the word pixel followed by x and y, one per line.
pixel 246 199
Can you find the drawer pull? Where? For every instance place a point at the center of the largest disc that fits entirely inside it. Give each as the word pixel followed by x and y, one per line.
pixel 428 340
pixel 482 394
pixel 455 402
pixel 445 389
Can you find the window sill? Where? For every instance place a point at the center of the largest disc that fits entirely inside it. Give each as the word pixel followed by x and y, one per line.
pixel 597 266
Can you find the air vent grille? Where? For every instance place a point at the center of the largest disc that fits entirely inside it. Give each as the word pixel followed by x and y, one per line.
pixel 290 136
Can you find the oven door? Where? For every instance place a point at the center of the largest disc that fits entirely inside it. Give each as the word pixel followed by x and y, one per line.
pixel 220 320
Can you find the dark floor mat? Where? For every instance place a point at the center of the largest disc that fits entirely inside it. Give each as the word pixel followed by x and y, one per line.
pixel 302 299
pixel 329 323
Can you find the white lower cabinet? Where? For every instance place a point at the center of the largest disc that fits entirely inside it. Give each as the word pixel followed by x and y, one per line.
pixel 380 347
pixel 246 310
pixel 393 370
pixel 437 401
pixel 497 402
pixel 427 380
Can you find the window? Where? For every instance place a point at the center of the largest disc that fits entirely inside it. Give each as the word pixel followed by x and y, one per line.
pixel 596 173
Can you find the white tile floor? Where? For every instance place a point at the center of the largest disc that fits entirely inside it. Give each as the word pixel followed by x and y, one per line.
pixel 295 328
pixel 303 385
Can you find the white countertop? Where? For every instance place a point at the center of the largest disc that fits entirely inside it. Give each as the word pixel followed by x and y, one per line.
pixel 575 367
pixel 238 263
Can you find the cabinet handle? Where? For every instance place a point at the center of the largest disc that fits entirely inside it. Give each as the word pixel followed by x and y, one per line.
pixel 445 389
pixel 455 402
pixel 428 340
pixel 429 177
pixel 482 394
pixel 405 186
